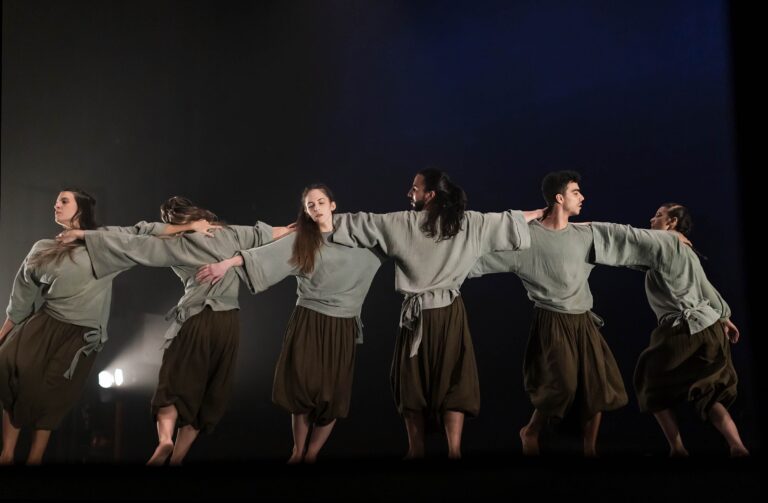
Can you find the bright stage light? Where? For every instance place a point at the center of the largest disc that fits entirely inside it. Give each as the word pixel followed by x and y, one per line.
pixel 106 380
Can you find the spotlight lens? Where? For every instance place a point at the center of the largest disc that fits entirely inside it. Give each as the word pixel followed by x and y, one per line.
pixel 118 377
pixel 105 379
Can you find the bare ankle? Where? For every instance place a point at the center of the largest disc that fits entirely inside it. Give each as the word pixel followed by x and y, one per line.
pixel 738 451
pixel 414 454
pixel 160 456
pixel 296 457
pixel 681 452
pixel 530 440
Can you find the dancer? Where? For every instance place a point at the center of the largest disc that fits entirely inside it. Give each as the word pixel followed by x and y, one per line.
pixel 568 366
pixel 688 359
pixel 313 376
pixel 47 354
pixel 434 375
pixel 197 373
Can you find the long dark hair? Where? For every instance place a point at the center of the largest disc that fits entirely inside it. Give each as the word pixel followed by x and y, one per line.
pixel 309 239
pixel 85 216
pixel 555 183
pixel 178 210
pixel 445 211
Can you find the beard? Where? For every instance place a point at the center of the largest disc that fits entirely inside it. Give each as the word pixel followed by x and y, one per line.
pixel 417 205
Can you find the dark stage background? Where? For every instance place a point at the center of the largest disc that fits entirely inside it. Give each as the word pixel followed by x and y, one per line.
pixel 238 105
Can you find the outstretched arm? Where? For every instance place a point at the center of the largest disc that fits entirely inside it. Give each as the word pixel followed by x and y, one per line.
pixel 214 272
pixel 279 232
pixel 626 246
pixel 112 252
pixel 533 214
pixel 70 235
pixel 200 226
pixel 507 230
pixel 370 230
pixel 264 266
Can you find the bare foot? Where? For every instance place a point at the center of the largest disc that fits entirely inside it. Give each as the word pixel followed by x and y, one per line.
pixel 412 455
pixel 530 441
pixel 590 452
pixel 6 460
pixel 454 455
pixel 161 454
pixel 739 451
pixel 678 452
pixel 295 458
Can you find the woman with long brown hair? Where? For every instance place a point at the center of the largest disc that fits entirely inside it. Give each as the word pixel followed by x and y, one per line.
pixel 47 354
pixel 313 377
pixel 196 377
